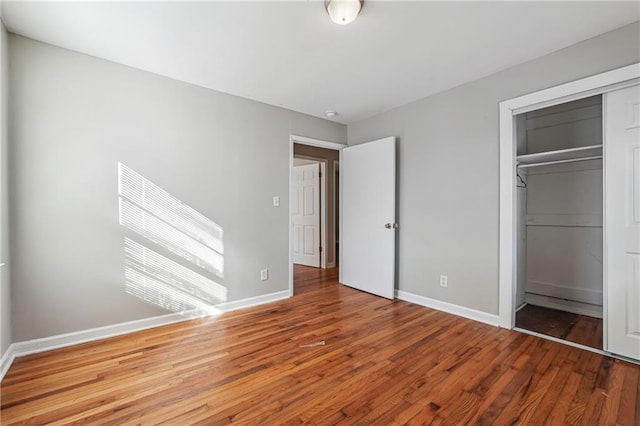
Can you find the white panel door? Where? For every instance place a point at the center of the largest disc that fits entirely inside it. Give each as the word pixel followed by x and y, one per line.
pixel 622 220
pixel 306 215
pixel 368 199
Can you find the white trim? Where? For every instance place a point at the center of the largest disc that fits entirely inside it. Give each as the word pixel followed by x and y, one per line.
pixel 311 142
pixel 576 345
pixel 315 142
pixel 563 341
pixel 605 236
pixel 253 301
pixel 324 221
pixel 578 89
pixel 597 84
pixel 507 252
pixel 340 224
pixel 562 291
pixel 6 360
pixel 450 308
pixel 69 339
pixel 579 308
pixel 336 216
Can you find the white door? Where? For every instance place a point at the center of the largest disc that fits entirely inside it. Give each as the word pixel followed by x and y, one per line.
pixel 368 200
pixel 622 216
pixel 306 215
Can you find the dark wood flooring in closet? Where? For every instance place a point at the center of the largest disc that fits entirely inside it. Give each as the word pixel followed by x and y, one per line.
pixel 563 325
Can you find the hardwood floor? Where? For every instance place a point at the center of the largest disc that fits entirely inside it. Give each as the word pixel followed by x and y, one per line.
pixel 563 325
pixel 383 362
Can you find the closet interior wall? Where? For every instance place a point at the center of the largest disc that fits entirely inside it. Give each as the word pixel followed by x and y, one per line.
pixel 560 234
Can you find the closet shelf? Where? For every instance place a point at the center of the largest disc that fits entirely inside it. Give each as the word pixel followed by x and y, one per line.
pixel 561 156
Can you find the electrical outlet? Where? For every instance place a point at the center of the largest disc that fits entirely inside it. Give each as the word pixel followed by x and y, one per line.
pixel 264 274
pixel 443 281
pixel 276 201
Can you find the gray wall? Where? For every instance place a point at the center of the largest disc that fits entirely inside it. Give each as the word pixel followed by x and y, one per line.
pixel 448 168
pixel 5 289
pixel 74 118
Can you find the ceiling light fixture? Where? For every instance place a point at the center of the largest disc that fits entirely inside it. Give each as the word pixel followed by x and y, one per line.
pixel 331 114
pixel 343 12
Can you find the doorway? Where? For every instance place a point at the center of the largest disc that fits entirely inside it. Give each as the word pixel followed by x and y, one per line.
pixel 311 153
pixel 309 212
pixel 367 214
pixel 559 221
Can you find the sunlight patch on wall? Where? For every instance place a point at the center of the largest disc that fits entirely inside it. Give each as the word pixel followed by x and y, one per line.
pixel 150 197
pixel 165 235
pixel 160 294
pixel 170 224
pixel 158 216
pixel 163 282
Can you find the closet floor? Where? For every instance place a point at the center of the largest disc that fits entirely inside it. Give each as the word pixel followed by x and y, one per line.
pixel 563 325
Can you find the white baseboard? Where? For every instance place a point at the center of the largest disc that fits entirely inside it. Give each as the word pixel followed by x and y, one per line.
pixel 253 301
pixel 450 308
pixel 331 265
pixel 584 295
pixel 564 305
pixel 7 359
pixel 69 339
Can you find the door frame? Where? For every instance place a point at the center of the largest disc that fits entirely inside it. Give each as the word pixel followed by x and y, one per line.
pixel 589 86
pixel 320 144
pixel 336 187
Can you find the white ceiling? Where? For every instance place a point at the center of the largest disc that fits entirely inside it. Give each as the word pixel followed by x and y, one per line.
pixel 290 54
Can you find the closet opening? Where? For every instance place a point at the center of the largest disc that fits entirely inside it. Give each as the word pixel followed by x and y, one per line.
pixel 559 221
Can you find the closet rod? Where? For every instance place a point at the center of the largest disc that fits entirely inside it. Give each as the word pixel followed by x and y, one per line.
pixel 548 163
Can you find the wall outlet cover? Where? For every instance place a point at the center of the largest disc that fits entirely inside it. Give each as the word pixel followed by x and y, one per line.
pixel 443 281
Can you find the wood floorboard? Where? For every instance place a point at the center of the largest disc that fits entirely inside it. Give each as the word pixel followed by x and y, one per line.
pixel 382 362
pixel 574 328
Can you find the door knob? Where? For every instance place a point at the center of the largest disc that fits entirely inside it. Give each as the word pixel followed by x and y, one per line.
pixel 391 225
